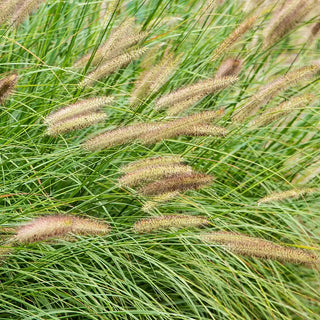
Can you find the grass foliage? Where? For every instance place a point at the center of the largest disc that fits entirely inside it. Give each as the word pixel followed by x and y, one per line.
pixel 168 274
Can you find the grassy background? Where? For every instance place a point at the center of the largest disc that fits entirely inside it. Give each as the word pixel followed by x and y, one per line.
pixel 167 275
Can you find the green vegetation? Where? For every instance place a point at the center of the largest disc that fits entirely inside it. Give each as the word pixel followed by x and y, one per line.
pixel 169 274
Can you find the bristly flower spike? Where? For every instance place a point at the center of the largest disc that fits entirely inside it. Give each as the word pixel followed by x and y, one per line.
pixel 287 19
pixel 179 107
pixel 151 173
pixel 74 123
pixel 6 9
pixel 169 222
pixel 6 86
pixel 182 182
pixel 260 248
pixel 57 226
pixel 153 161
pixel 112 65
pixel 224 47
pixel 201 88
pixel 270 115
pixel 119 136
pixel 269 91
pixel 284 195
pixel 307 174
pixel 78 108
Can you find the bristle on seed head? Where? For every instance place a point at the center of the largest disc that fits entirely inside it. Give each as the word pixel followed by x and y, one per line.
pixel 260 248
pixel 6 86
pixel 169 222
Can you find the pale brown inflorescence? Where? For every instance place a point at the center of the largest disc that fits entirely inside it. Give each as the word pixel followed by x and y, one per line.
pixel 78 108
pixel 150 173
pixel 224 47
pixel 286 20
pixel 112 65
pixel 182 182
pixel 184 105
pixel 7 8
pixel 6 86
pixel 307 174
pixel 180 126
pixel 284 195
pixel 269 91
pixel 153 161
pixel 153 79
pixel 58 226
pixel 293 104
pixel 119 136
pixel 169 222
pixel 260 248
pixel 201 88
pixel 75 123
pixel 229 67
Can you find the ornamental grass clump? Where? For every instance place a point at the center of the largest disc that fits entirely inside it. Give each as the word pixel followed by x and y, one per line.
pixel 59 226
pixel 260 248
pixel 169 222
pixel 7 85
pixel 272 89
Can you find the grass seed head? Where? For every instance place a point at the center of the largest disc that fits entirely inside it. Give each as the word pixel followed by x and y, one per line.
pixel 229 67
pixel 182 182
pixel 202 88
pixel 112 65
pixel 6 86
pixel 169 222
pixel 75 123
pixel 78 108
pixel 156 201
pixel 260 248
pixel 151 173
pixel 224 47
pixel 153 161
pixel 24 9
pixel 58 226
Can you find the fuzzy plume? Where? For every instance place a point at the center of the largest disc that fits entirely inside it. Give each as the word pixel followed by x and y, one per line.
pixel 307 174
pixel 78 108
pixel 284 195
pixel 119 136
pixel 283 109
pixel 260 248
pixel 203 130
pixel 179 107
pixel 233 38
pixel 151 204
pixel 24 9
pixel 182 182
pixel 153 79
pixel 286 20
pixel 269 91
pixel 180 126
pixel 75 123
pixel 119 41
pixel 151 173
pixel 229 67
pixel 112 65
pixel 168 222
pixel 6 86
pixel 59 226
pixel 153 161
pixel 315 30
pixel 201 88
